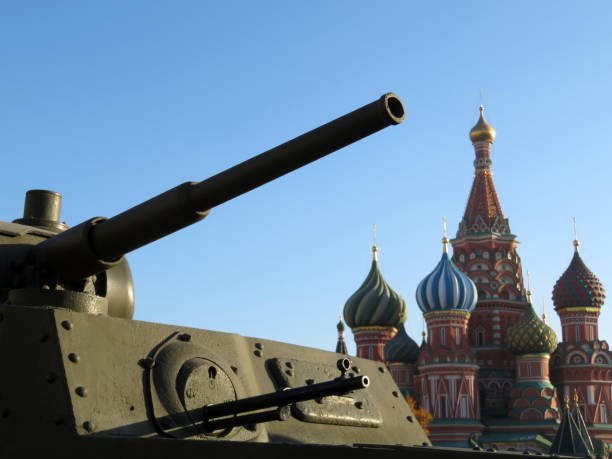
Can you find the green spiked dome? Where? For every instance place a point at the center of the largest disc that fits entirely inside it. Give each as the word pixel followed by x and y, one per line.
pixel 375 304
pixel 531 335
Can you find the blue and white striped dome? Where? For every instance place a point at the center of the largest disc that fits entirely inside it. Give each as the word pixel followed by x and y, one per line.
pixel 446 288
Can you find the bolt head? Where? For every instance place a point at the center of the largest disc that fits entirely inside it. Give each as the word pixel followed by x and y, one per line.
pixel 89 426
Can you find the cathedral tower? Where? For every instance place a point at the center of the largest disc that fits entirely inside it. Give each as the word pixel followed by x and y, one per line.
pixel 485 249
pixel 582 363
pixel 374 312
pixel 533 400
pixel 447 382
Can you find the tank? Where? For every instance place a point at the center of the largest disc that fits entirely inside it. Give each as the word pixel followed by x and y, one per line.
pixel 81 378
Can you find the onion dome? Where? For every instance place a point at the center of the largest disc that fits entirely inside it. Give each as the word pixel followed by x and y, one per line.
pixel 578 286
pixel 375 304
pixel 402 348
pixel 482 132
pixel 341 344
pixel 446 288
pixel 530 335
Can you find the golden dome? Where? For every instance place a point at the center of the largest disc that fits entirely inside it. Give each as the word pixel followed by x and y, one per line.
pixel 482 132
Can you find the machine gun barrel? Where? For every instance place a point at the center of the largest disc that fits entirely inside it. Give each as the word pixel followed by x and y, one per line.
pixel 285 397
pixel 98 244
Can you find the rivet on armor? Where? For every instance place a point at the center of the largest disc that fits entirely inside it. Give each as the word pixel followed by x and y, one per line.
pixel 259 346
pixel 359 405
pixel 81 391
pixel 234 369
pixel 381 369
pixel 50 377
pixel 88 426
pixel 67 325
pixel 44 337
pixel 57 420
pixel 258 353
pixel 184 337
pixel 73 357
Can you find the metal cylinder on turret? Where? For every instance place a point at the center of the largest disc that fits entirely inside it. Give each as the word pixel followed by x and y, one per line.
pixel 42 208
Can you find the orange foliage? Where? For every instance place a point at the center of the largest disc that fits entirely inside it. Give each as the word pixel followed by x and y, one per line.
pixel 420 413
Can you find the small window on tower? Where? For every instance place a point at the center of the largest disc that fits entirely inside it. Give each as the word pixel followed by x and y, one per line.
pixel 443 336
pixel 463 402
pixel 480 338
pixel 603 415
pixel 443 406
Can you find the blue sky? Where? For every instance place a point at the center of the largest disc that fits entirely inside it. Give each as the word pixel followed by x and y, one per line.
pixel 110 103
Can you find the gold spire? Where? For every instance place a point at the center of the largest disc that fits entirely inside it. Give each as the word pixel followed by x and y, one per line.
pixel 444 239
pixel 575 397
pixel 482 132
pixel 543 310
pixel 528 288
pixel 374 248
pixel 576 241
pixel 566 402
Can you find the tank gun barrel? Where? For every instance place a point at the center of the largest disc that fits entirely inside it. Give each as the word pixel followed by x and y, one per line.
pixel 98 244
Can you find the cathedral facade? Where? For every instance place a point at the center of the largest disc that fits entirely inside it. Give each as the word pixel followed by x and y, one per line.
pixel 489 370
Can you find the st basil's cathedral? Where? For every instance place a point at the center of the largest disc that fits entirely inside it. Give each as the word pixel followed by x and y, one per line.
pixel 489 370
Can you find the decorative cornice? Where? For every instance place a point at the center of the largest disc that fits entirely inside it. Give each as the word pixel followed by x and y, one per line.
pixel 373 328
pixel 533 356
pixel 580 309
pixel 454 312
